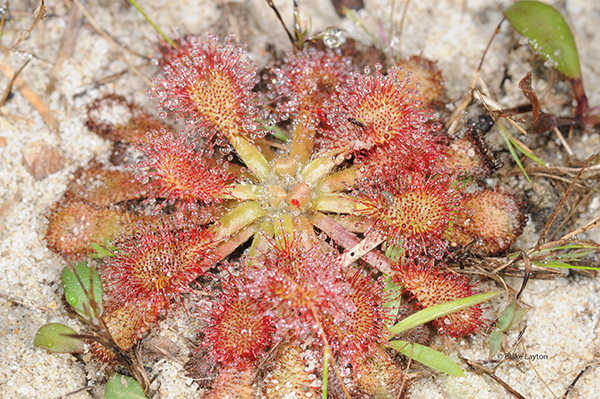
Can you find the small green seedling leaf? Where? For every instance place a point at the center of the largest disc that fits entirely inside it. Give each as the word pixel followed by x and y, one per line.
pixel 101 252
pixel 511 316
pixel 54 337
pixel 506 316
pixel 427 356
pixel 495 341
pixel 74 292
pixel 443 309
pixel 510 142
pixel 548 34
pixel 121 387
pixel 517 316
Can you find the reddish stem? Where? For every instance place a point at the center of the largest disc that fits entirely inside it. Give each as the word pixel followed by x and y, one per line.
pixel 348 240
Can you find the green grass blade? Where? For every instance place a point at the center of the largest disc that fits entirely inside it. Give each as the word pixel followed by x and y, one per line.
pixel 325 374
pixel 562 265
pixel 512 151
pixel 436 311
pixel 429 357
pixel 141 11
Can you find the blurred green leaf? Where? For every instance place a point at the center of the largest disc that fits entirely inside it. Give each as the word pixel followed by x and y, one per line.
pixel 54 337
pixel 427 356
pixel 495 341
pixel 394 295
pixel 443 309
pixel 101 252
pixel 121 387
pixel 517 316
pixel 75 293
pixel 141 11
pixel 506 317
pixel 548 34
pixel 562 265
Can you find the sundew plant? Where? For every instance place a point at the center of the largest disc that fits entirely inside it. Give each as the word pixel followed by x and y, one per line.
pixel 300 212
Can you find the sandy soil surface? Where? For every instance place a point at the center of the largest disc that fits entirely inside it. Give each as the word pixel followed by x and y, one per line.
pixel 562 327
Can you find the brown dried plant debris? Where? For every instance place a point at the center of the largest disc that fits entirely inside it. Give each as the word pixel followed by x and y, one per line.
pixel 114 118
pixel 100 186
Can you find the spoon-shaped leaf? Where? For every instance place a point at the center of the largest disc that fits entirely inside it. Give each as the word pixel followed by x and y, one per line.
pixel 548 34
pixel 121 387
pixel 55 337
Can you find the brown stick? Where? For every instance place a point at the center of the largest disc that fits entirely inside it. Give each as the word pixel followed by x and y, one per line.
pixel 67 44
pixel 33 98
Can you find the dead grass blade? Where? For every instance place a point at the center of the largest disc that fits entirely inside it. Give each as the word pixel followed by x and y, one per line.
pixel 7 206
pixel 527 263
pixel 590 225
pixel 455 117
pixel 33 98
pixel 572 385
pixel 40 14
pixel 482 370
pixel 559 206
pixel 67 44
pixel 120 49
pixel 12 82
pixel 574 210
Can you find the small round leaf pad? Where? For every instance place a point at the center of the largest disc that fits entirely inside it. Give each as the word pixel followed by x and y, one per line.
pixel 54 337
pixel 548 34
pixel 121 387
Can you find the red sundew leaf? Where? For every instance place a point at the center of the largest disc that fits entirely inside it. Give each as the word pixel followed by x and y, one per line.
pixel 378 120
pixel 239 329
pixel 307 81
pixel 153 268
pixel 178 173
pixel 302 285
pixel 432 286
pixel 363 329
pixel 210 85
pixel 415 213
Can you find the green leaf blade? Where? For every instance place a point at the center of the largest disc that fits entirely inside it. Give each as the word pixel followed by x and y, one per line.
pixel 121 387
pixel 506 317
pixel 441 310
pixel 75 293
pixel 54 337
pixel 495 341
pixel 548 34
pixel 427 356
